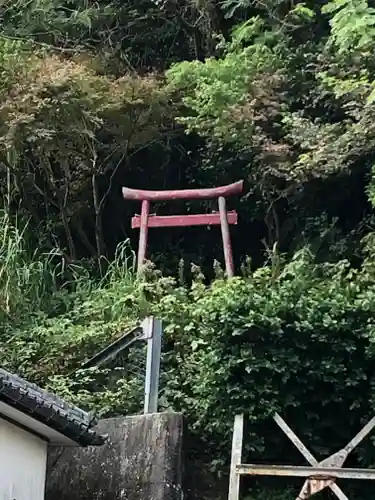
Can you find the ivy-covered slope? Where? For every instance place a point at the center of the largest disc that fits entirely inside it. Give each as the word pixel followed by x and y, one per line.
pixel 294 337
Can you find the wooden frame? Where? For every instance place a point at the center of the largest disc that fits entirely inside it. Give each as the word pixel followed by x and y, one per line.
pixel 320 475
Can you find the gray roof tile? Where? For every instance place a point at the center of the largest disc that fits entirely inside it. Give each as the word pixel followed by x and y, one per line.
pixel 48 409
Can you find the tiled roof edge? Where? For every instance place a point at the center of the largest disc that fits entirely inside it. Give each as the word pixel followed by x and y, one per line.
pixel 48 409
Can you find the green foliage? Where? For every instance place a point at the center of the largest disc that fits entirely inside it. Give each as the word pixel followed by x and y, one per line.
pixel 297 338
pixel 352 24
pixel 218 92
pixel 291 100
pixel 278 93
pixel 267 94
pixel 26 281
pixel 63 127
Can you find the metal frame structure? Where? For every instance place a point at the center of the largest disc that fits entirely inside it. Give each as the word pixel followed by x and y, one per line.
pixel 223 218
pixel 151 331
pixel 320 475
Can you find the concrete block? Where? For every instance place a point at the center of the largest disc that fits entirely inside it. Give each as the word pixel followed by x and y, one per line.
pixel 142 460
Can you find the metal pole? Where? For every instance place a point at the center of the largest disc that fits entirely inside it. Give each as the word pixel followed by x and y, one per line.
pixel 153 334
pixel 234 478
pixel 143 233
pixel 226 237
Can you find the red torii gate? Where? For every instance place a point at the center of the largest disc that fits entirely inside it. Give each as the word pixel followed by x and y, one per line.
pixel 222 218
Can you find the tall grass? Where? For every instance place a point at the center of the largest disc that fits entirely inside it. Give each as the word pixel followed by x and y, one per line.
pixel 27 279
pixel 53 314
pixel 31 281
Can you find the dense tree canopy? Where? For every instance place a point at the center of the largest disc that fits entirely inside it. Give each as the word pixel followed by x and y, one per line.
pixel 171 94
pixel 190 94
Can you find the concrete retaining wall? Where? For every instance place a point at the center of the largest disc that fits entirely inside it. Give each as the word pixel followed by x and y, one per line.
pixel 142 460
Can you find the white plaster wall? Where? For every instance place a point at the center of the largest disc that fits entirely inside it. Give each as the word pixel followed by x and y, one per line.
pixel 23 461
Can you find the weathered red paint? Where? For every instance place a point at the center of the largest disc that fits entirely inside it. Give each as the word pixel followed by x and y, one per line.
pixel 143 232
pixel 228 256
pixel 224 218
pixel 183 194
pixel 184 220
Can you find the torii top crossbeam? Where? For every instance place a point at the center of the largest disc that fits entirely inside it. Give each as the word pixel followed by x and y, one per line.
pixel 183 194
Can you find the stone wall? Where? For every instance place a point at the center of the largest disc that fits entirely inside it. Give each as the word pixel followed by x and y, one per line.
pixel 142 460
